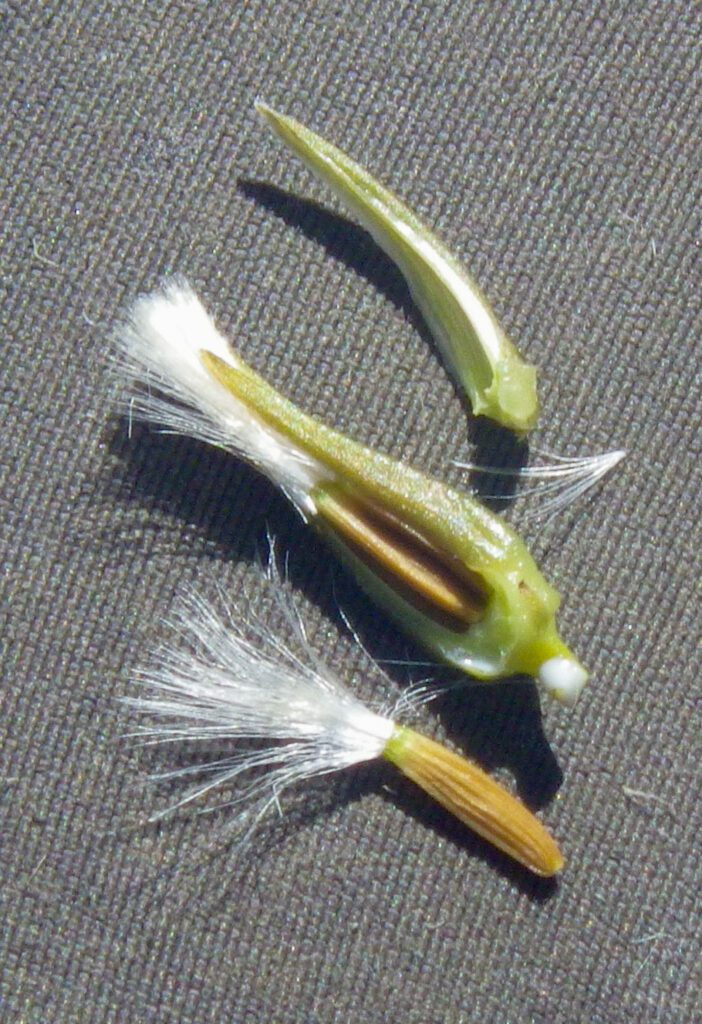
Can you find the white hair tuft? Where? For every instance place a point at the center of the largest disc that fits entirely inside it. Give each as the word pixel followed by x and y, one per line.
pixel 159 348
pixel 215 684
pixel 558 484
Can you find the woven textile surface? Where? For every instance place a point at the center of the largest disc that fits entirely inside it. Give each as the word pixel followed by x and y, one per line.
pixel 556 148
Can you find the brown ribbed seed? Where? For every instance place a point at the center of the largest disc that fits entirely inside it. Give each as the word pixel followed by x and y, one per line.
pixel 410 560
pixel 475 799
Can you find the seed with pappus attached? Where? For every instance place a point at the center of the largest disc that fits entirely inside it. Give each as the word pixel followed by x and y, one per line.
pixel 299 721
pixel 449 571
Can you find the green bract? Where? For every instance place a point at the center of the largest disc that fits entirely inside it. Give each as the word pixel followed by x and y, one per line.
pixel 499 383
pixel 450 572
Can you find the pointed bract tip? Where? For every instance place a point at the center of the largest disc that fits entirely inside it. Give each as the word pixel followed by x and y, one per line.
pixel 267 112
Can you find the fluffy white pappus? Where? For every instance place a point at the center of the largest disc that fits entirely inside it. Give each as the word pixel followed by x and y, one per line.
pixel 159 345
pixel 219 683
pixel 556 485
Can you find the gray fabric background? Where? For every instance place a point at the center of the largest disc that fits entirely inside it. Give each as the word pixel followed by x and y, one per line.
pixel 556 147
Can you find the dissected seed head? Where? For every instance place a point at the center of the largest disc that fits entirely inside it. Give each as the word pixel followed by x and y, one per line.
pixel 450 572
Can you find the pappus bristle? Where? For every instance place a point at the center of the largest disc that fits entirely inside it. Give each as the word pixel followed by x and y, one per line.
pixel 449 571
pixel 215 684
pixel 556 485
pixel 159 348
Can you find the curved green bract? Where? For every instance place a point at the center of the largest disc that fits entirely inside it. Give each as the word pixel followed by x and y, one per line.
pixel 517 631
pixel 498 382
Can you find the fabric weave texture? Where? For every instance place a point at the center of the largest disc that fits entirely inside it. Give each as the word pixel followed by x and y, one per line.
pixel 556 149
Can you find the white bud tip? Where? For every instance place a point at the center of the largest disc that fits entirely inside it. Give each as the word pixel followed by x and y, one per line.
pixel 563 679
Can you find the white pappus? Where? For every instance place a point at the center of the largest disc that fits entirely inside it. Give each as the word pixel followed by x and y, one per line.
pixel 158 349
pixel 221 681
pixel 556 485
